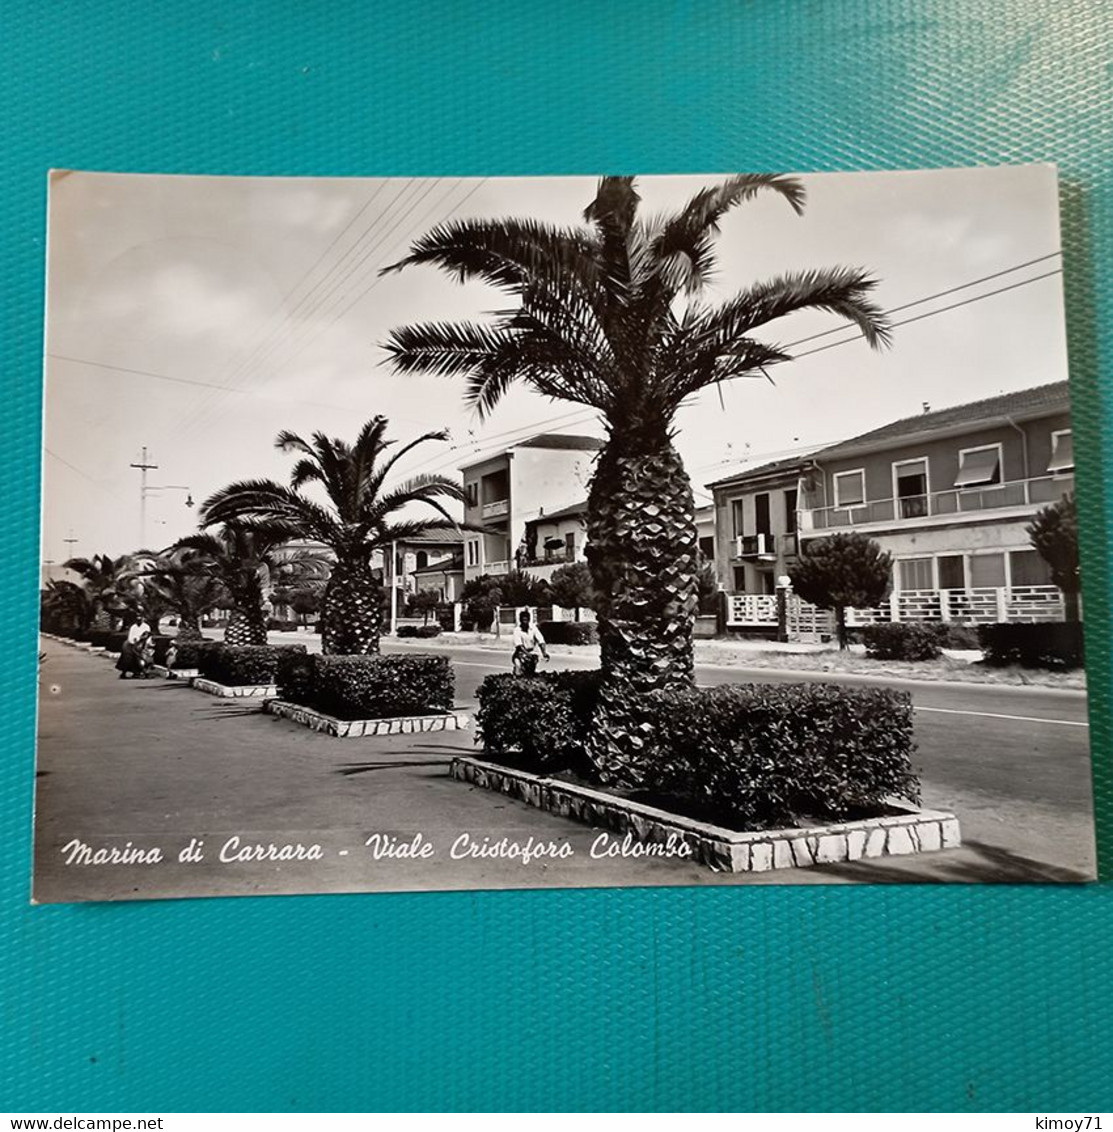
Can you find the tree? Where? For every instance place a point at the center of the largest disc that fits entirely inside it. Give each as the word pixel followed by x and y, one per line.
pixel 1054 534
pixel 181 580
pixel 242 557
pixel 109 585
pixel 612 315
pixel 844 571
pixel 707 582
pixel 64 607
pixel 424 602
pixel 570 587
pixel 362 515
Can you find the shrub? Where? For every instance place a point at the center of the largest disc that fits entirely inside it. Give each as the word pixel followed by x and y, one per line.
pixel 295 675
pixel 1054 644
pixel 377 687
pixel 743 755
pixel 280 625
pixel 242 664
pixel 903 641
pixel 189 652
pixel 760 755
pixel 540 724
pixel 957 636
pixel 423 631
pixel 162 644
pixel 570 632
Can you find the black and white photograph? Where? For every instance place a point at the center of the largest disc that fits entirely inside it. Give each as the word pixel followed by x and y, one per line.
pixel 441 533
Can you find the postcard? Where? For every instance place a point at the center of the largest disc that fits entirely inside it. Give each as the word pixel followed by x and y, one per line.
pixel 441 533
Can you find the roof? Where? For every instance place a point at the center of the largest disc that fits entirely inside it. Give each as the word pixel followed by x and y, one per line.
pixel 787 464
pixel 569 512
pixel 1024 403
pixel 444 566
pixel 559 440
pixel 435 538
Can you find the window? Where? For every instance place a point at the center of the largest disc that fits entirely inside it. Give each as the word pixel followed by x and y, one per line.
pixel 1027 568
pixel 707 546
pixel 790 511
pixel 738 518
pixel 952 572
pixel 740 579
pixel 916 574
pixel 473 552
pixel 761 514
pixel 473 494
pixel 979 467
pixel 850 488
pixel 910 488
pixel 421 560
pixel 1062 451
pixel 570 545
pixel 987 571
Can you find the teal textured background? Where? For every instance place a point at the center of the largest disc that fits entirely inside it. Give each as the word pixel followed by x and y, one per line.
pixel 913 998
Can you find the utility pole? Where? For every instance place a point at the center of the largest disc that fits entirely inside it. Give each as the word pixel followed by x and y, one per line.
pixel 143 467
pixel 70 543
pixel 393 589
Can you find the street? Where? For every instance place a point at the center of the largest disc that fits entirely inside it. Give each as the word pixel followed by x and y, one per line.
pixel 159 764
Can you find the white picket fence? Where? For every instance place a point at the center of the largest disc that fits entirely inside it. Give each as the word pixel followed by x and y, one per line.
pixel 985 606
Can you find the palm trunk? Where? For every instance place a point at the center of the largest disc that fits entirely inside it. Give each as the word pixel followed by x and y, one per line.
pixel 351 612
pixel 246 627
pixel 189 627
pixel 643 553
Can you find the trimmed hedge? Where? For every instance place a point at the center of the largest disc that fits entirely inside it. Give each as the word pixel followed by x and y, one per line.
pixel 569 632
pixel 743 755
pixel 539 723
pixel 189 652
pixel 422 631
pixel 111 640
pixel 241 664
pixel 903 641
pixel 1057 645
pixel 368 687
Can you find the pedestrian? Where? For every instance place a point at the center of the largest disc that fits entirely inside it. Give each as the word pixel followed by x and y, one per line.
pixel 528 640
pixel 134 655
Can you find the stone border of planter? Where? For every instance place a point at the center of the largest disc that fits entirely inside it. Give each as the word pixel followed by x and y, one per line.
pixel 907 830
pixel 361 728
pixel 174 673
pixel 233 691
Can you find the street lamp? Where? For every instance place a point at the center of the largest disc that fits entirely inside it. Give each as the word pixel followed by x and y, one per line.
pixel 145 488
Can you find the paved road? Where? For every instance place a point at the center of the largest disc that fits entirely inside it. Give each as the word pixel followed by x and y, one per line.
pixel 157 763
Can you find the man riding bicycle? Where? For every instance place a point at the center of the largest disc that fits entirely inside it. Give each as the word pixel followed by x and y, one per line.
pixel 528 641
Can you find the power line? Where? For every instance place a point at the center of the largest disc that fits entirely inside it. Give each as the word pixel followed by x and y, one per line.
pixel 929 298
pixel 938 310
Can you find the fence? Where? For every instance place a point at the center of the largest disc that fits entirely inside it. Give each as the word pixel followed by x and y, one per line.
pixel 984 606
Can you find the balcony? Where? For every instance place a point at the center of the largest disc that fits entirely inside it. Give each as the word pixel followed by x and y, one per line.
pixel 914 509
pixel 495 510
pixel 754 546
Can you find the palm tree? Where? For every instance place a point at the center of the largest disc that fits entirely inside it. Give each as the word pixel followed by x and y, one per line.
pixel 108 584
pixel 361 516
pixel 612 315
pixel 64 606
pixel 241 558
pixel 181 579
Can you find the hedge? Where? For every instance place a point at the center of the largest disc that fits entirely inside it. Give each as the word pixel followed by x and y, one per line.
pixel 903 641
pixel 570 632
pixel 241 664
pixel 1052 644
pixel 743 755
pixel 111 640
pixel 368 687
pixel 189 652
pixel 423 631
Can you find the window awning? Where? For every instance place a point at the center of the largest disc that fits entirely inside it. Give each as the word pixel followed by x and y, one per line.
pixel 978 468
pixel 1062 459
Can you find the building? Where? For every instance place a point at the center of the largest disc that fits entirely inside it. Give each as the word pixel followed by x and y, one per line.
pixel 436 550
pixel 756 513
pixel 445 577
pixel 516 487
pixel 947 493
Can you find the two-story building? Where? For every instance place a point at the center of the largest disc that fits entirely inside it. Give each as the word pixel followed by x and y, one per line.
pixel 756 515
pixel 512 489
pixel 949 493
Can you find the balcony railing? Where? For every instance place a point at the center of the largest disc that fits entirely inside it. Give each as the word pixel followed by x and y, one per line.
pixel 495 510
pixel 753 546
pixel 955 501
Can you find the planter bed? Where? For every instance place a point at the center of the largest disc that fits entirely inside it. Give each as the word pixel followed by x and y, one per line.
pixel 237 691
pixel 901 830
pixel 361 728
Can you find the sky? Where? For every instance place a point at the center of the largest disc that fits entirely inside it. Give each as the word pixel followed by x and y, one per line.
pixel 199 316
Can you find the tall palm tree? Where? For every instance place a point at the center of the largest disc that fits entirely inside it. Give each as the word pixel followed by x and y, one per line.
pixel 64 605
pixel 241 557
pixel 361 515
pixel 108 584
pixel 612 314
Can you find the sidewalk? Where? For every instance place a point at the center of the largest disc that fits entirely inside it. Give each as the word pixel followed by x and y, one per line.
pixel 155 763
